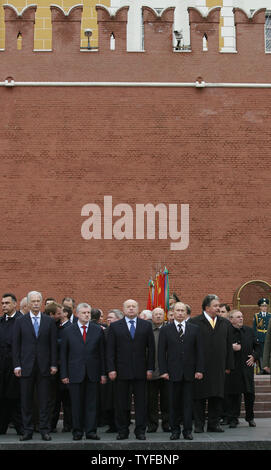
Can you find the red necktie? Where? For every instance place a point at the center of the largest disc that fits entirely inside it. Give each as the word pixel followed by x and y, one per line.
pixel 84 333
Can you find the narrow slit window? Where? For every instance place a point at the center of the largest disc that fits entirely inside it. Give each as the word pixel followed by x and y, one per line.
pixel 19 41
pixel 205 42
pixel 112 42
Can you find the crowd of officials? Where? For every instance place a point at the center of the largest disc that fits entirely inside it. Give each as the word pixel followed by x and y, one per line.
pixel 186 371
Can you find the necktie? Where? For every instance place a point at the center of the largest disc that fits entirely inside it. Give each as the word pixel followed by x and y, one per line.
pixel 132 328
pixel 212 322
pixel 36 326
pixel 180 329
pixel 84 333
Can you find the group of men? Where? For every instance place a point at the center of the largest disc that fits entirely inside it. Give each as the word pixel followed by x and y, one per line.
pixel 181 364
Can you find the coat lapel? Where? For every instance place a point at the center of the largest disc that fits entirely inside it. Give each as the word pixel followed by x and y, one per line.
pixel 77 331
pixel 174 330
pixel 30 323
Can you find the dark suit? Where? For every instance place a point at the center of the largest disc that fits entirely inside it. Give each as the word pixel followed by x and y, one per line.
pixel 35 356
pixel 10 404
pixel 84 364
pixel 60 391
pixel 241 379
pixel 180 357
pixel 131 359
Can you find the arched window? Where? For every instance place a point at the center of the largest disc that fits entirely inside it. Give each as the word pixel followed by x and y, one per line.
pixel 246 298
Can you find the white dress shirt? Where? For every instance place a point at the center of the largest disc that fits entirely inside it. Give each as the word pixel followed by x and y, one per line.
pixel 80 326
pixel 210 320
pixel 38 316
pixel 128 322
pixel 183 323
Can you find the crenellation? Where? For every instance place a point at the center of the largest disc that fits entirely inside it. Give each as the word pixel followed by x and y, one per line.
pixel 66 28
pixel 19 26
pixel 204 30
pixel 112 23
pixel 250 31
pixel 158 29
pixel 112 29
pixel 66 59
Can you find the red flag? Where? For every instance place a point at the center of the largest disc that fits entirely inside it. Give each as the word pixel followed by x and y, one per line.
pixel 149 303
pixel 161 291
pixel 155 297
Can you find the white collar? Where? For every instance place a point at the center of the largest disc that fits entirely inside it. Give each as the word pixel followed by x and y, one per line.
pixel 178 323
pixel 81 326
pixel 10 316
pixel 210 319
pixel 129 319
pixel 35 316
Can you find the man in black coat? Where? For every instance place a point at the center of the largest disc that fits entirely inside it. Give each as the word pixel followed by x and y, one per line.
pixel 82 366
pixel 247 350
pixel 180 358
pixel 34 361
pixel 218 359
pixel 130 361
pixel 10 405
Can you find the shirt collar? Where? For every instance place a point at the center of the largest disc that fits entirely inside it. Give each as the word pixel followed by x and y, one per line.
pixel 35 316
pixel 178 323
pixel 10 316
pixel 209 318
pixel 80 324
pixel 128 319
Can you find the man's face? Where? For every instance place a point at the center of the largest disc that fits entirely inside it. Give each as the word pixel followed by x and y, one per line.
pixel 35 303
pixel 180 313
pixel 58 314
pixel 8 306
pixel 223 311
pixel 213 308
pixel 158 316
pixel 264 308
pixel 68 303
pixel 111 317
pixel 130 308
pixel 170 316
pixel 84 315
pixel 237 319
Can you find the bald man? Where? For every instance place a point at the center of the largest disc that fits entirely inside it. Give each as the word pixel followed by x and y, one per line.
pixel 130 360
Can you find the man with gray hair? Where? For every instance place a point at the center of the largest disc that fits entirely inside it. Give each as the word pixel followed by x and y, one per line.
pixel 35 360
pixel 82 366
pixel 218 359
pixel 24 306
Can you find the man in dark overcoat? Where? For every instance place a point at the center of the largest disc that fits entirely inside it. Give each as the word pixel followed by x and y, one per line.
pixel 10 404
pixel 247 350
pixel 218 359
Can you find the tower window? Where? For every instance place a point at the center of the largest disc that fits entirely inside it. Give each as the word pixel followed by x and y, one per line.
pixel 268 31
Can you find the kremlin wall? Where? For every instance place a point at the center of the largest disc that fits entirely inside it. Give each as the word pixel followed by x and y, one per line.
pixel 90 136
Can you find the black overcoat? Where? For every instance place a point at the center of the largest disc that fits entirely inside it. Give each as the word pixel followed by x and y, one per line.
pixel 241 379
pixel 218 356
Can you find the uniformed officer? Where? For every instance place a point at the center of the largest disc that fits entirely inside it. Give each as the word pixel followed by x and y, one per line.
pixel 260 325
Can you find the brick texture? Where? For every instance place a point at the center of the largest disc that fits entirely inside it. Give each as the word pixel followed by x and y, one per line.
pixel 65 147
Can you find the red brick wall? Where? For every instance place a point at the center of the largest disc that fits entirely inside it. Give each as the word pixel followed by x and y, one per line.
pixel 64 147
